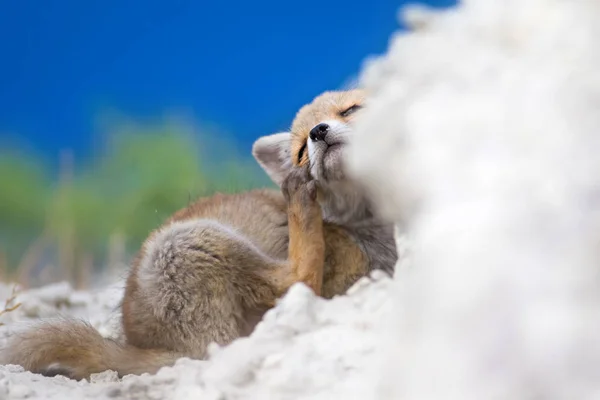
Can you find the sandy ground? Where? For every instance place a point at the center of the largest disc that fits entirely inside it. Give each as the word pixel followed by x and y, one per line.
pixel 306 347
pixel 482 132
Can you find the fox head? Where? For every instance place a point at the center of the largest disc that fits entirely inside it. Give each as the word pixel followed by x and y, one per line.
pixel 317 139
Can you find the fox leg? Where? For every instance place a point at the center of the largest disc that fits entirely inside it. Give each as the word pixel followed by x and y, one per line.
pixel 201 281
pixel 306 250
pixel 194 284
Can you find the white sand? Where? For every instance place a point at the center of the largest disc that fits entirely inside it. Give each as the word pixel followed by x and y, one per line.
pixel 305 348
pixel 484 134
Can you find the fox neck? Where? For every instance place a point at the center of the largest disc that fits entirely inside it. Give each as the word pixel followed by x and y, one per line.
pixel 348 207
pixel 344 204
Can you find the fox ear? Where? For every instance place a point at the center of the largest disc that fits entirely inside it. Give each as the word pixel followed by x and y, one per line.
pixel 273 153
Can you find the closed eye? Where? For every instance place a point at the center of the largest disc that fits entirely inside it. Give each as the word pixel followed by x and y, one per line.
pixel 301 152
pixel 350 110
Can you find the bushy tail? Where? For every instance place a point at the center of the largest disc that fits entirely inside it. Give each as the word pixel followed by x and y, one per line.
pixel 75 349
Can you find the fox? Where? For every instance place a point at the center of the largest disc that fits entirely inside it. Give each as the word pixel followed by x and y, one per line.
pixel 211 271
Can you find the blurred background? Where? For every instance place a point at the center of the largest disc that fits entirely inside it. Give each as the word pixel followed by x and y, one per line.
pixel 114 114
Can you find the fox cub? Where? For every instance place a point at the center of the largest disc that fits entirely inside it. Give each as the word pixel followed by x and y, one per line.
pixel 211 271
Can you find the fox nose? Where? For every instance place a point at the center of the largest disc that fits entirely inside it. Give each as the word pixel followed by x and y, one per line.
pixel 319 132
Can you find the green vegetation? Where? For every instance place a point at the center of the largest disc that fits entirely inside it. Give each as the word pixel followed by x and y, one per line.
pixel 97 214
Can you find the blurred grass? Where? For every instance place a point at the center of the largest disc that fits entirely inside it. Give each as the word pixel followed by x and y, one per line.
pixel 94 217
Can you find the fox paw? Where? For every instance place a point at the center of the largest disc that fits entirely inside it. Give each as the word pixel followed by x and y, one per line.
pixel 299 188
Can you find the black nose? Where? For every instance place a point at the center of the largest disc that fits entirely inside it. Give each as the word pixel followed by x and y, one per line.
pixel 319 132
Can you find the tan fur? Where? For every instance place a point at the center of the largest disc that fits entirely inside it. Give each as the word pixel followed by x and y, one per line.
pixel 76 349
pixel 327 106
pixel 215 267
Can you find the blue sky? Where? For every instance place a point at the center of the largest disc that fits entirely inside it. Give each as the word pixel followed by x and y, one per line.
pixel 245 66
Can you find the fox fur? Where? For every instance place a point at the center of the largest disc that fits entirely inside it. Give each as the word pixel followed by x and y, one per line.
pixel 212 270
